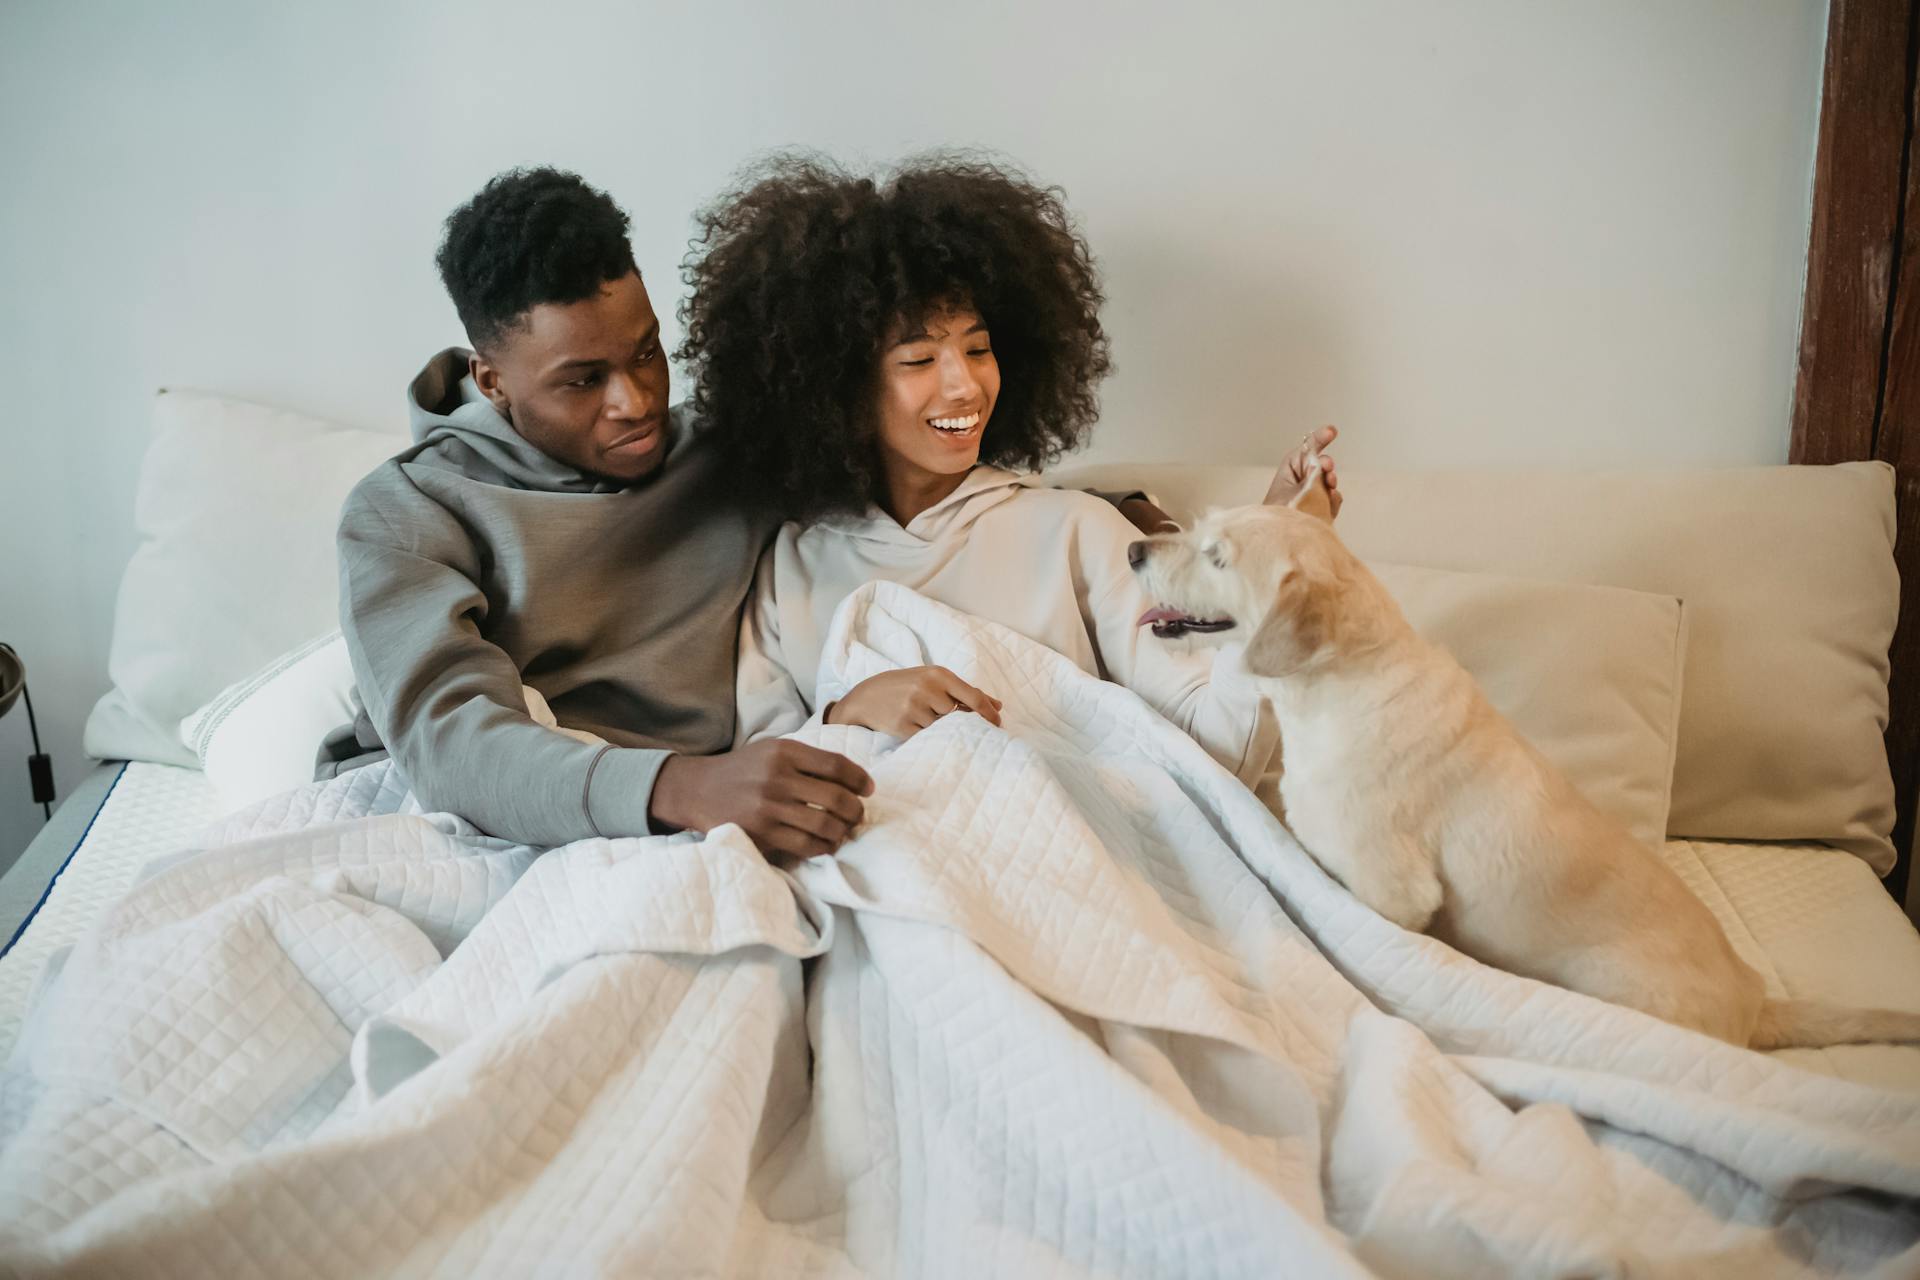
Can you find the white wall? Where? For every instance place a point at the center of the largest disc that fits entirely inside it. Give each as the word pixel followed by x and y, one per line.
pixel 1476 232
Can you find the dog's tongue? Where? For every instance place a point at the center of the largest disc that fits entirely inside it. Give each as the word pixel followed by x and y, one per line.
pixel 1159 613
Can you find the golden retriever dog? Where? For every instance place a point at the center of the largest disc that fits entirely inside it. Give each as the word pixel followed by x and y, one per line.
pixel 1406 785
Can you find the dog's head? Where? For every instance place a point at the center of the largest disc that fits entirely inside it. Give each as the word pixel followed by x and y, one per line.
pixel 1275 575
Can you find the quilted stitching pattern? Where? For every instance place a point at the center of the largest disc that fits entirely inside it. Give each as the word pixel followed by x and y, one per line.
pixel 1076 1006
pixel 1828 930
pixel 153 811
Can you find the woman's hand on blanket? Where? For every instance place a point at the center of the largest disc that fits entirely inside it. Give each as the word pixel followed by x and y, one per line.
pixel 792 799
pixel 906 701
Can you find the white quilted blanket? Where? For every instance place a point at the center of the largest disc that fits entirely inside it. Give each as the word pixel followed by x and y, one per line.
pixel 1072 1004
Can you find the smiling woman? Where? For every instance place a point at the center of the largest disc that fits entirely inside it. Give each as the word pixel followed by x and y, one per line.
pixel 937 388
pixel 832 319
pixel 879 358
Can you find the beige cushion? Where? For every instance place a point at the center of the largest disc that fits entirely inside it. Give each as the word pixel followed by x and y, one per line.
pixel 1589 675
pixel 236 510
pixel 1791 594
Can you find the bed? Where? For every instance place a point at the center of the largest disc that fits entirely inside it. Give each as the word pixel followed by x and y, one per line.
pixel 1622 633
pixel 119 818
pixel 1816 921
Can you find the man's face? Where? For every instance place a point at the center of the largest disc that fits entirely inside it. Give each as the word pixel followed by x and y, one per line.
pixel 585 382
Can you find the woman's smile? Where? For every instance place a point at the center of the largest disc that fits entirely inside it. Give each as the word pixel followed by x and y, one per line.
pixel 959 428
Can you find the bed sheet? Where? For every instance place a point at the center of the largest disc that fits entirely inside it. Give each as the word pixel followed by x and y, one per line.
pixel 152 810
pixel 1814 920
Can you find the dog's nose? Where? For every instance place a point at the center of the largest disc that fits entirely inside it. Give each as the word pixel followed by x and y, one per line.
pixel 1136 552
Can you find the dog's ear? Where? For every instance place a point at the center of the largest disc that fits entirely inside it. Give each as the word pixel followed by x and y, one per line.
pixel 1297 626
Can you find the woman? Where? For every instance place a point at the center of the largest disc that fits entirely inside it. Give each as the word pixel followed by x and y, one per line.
pixel 889 364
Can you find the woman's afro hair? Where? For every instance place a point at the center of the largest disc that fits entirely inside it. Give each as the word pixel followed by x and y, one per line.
pixel 802 274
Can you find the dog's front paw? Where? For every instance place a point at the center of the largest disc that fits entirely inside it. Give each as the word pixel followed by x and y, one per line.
pixel 1407 893
pixel 1412 911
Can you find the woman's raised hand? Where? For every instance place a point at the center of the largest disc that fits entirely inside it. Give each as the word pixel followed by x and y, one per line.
pixel 904 702
pixel 1290 479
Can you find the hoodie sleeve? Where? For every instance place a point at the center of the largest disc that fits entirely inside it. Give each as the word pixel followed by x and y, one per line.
pixel 767 699
pixel 446 702
pixel 1205 692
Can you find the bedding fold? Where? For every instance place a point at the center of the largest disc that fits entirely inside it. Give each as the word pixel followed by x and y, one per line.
pixel 1071 1003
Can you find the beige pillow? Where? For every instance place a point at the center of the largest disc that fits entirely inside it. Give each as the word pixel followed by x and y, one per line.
pixel 1589 675
pixel 1791 594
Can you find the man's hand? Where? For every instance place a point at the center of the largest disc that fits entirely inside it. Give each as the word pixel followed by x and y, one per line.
pixel 790 798
pixel 1146 517
pixel 1292 474
pixel 904 702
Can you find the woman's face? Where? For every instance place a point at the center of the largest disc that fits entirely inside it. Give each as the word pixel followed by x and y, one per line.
pixel 937 388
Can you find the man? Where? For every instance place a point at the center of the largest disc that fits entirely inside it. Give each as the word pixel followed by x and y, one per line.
pixel 556 524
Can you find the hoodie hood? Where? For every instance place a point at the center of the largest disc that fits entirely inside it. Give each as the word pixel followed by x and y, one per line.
pixel 983 489
pixel 446 409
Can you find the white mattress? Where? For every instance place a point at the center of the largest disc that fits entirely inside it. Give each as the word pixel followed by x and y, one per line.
pixel 1814 920
pixel 1818 923
pixel 153 809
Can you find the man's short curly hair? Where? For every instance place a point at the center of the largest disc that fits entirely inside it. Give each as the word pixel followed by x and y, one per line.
pixel 802 274
pixel 530 236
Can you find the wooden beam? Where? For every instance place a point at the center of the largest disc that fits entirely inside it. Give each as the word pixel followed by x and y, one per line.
pixel 1859 377
pixel 1897 440
pixel 1857 191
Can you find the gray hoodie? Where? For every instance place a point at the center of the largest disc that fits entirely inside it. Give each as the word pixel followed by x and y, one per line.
pixel 472 563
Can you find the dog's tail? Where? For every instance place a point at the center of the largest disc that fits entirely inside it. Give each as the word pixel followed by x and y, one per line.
pixel 1811 1024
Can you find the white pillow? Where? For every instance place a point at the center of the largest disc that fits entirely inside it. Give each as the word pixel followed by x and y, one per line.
pixel 258 737
pixel 1591 676
pixel 236 511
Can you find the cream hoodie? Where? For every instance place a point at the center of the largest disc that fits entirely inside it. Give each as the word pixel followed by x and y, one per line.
pixel 1050 564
